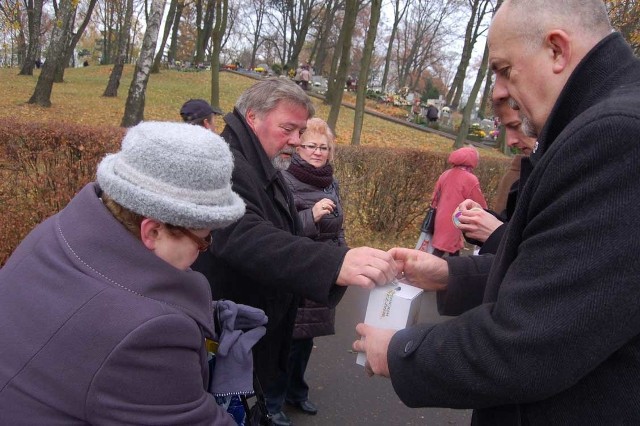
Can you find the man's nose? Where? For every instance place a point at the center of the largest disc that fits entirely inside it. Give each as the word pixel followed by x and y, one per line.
pixel 294 140
pixel 500 92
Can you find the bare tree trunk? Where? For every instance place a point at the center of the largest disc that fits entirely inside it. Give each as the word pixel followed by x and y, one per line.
pixel 398 15
pixel 204 35
pixel 471 34
pixel 173 47
pixel 466 115
pixel 336 86
pixel 306 13
pixel 222 12
pixel 486 95
pixel 116 73
pixel 42 93
pixel 363 77
pixel 323 47
pixel 34 18
pixel 74 38
pixel 134 107
pixel 64 59
pixel 165 36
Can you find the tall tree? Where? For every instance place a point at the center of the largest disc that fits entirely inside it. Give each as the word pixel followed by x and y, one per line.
pixel 72 41
pixel 471 102
pixel 222 11
pixel 134 107
pixel 399 11
pixel 363 76
pixel 42 93
pixel 204 33
pixel 486 95
pixel 34 19
pixel 257 10
pixel 173 47
pixel 421 40
pixel 302 14
pixel 466 114
pixel 336 83
pixel 165 35
pixel 325 36
pixel 473 30
pixel 116 72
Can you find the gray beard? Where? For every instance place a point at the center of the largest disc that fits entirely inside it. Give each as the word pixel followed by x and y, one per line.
pixel 527 127
pixel 281 163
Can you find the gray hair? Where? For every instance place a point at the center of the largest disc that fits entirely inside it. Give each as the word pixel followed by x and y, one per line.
pixel 264 96
pixel 588 18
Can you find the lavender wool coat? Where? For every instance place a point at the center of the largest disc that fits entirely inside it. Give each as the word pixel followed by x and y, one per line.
pixel 97 329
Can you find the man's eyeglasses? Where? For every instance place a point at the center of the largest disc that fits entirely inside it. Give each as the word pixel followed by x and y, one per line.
pixel 312 147
pixel 202 243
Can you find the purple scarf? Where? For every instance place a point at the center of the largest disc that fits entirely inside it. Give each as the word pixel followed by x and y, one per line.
pixel 320 177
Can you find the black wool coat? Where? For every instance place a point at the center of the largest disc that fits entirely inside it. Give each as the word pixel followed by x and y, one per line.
pixel 556 339
pixel 261 260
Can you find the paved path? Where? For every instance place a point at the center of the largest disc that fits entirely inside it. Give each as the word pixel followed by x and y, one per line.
pixel 343 392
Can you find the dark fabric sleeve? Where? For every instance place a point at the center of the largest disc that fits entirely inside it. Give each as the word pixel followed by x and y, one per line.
pixel 491 245
pixel 466 284
pixel 309 227
pixel 272 256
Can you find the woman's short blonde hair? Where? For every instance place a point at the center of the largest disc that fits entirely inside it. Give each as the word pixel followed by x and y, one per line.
pixel 319 127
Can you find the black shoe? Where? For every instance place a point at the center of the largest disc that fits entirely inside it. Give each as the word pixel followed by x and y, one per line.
pixel 306 407
pixel 280 419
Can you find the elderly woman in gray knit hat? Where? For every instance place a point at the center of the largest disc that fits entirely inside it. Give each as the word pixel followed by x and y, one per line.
pixel 103 321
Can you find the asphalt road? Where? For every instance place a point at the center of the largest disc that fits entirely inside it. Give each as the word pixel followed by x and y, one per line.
pixel 343 392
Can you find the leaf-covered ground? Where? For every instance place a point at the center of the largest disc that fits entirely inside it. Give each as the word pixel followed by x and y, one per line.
pixel 79 100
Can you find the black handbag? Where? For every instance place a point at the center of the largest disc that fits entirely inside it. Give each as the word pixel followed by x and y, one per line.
pixel 257 415
pixel 429 221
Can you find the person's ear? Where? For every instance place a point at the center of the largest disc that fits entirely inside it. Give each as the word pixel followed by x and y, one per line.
pixel 149 233
pixel 250 116
pixel 209 123
pixel 559 44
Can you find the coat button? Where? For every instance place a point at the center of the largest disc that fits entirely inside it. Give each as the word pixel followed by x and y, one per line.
pixel 408 346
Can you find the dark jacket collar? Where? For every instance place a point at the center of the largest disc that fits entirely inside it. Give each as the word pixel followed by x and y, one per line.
pixel 596 75
pixel 101 247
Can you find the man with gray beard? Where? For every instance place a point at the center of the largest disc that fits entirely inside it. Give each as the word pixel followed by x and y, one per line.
pixel 260 260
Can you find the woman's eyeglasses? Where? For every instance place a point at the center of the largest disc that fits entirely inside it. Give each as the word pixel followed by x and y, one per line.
pixel 202 243
pixel 312 147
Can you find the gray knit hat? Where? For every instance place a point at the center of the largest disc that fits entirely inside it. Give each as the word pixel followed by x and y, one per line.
pixel 175 173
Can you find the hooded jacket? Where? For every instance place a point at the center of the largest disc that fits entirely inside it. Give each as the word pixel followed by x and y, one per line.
pixel 453 187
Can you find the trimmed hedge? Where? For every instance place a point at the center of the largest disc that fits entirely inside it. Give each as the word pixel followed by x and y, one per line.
pixel 385 191
pixel 42 166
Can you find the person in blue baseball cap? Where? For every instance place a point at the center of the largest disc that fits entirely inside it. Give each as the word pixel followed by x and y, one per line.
pixel 200 113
